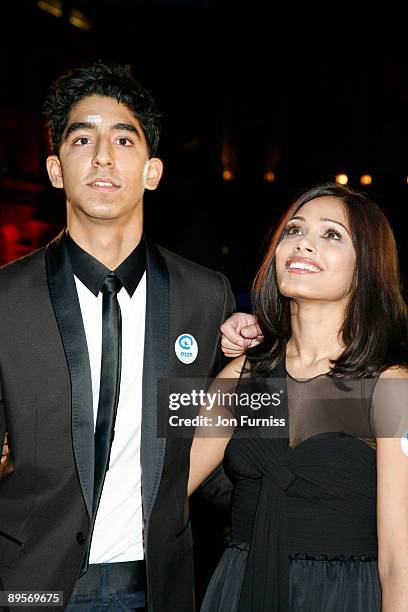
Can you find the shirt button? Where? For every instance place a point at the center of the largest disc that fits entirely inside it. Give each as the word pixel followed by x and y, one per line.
pixel 81 538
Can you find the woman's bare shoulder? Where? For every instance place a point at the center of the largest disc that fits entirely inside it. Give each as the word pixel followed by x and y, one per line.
pixel 233 369
pixel 395 372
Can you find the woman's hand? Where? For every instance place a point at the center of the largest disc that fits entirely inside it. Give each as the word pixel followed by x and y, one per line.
pixel 5 462
pixel 6 451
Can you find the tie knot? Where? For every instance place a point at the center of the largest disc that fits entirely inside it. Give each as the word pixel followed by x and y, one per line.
pixel 111 284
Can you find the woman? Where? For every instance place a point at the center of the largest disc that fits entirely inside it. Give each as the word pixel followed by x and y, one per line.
pixel 320 521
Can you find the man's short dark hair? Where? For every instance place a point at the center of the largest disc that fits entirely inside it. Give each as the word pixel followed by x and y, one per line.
pixel 102 79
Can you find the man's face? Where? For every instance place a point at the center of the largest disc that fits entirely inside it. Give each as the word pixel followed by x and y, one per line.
pixel 103 162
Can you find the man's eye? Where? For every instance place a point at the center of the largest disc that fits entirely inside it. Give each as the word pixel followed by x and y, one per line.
pixel 124 141
pixel 82 140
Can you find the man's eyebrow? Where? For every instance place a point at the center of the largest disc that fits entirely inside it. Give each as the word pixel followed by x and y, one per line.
pixel 322 219
pixel 88 125
pixel 79 125
pixel 128 127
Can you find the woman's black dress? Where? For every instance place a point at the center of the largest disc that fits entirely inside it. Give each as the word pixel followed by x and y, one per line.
pixel 303 522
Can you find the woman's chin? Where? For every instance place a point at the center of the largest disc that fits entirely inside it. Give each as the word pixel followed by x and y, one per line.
pixel 307 295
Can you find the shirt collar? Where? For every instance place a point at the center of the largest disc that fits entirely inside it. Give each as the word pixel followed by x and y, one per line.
pixel 91 272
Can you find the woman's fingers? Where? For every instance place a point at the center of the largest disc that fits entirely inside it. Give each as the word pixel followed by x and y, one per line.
pixel 5 451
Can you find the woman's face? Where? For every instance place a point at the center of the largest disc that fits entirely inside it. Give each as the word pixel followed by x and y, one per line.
pixel 315 259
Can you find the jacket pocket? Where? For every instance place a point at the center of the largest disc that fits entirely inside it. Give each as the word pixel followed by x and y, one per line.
pixel 10 549
pixel 12 539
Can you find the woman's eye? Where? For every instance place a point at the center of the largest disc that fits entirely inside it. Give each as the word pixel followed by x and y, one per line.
pixel 332 234
pixel 292 230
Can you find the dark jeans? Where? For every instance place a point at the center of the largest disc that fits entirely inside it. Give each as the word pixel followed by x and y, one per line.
pixel 109 587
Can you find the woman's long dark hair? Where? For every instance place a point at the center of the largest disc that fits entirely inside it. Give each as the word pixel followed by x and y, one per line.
pixel 375 327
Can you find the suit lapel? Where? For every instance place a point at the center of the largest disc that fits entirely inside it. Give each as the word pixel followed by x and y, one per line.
pixel 155 365
pixel 67 311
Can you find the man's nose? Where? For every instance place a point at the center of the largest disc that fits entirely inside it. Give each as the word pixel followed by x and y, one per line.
pixel 103 154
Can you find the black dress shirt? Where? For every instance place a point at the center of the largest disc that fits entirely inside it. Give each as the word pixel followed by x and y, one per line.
pixel 91 272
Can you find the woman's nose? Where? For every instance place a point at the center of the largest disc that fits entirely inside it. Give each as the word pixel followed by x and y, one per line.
pixel 305 245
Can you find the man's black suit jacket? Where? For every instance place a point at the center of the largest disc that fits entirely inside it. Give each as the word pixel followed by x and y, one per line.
pixel 45 504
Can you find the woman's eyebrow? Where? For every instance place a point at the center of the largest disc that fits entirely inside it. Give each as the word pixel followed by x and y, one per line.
pixel 334 221
pixel 299 218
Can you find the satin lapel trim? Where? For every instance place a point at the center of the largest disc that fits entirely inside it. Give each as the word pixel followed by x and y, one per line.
pixel 67 311
pixel 155 365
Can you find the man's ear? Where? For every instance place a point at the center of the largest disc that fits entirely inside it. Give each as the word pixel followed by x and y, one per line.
pixel 54 171
pixel 153 172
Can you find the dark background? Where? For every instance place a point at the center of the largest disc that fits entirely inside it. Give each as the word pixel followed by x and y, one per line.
pixel 252 87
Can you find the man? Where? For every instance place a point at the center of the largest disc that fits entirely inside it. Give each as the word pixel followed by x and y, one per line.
pixel 88 324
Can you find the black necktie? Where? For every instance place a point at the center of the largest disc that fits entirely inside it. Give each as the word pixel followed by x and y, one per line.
pixel 108 390
pixel 110 381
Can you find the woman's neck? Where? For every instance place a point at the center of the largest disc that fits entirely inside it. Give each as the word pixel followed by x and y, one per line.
pixel 315 338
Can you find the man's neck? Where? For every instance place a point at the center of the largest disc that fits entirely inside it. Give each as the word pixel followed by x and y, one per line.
pixel 108 244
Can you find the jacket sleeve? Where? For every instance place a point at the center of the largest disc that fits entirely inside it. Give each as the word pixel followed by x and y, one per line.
pixel 228 309
pixel 217 488
pixel 2 418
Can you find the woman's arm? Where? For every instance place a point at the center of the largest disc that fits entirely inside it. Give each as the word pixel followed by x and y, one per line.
pixel 5 451
pixel 392 512
pixel 208 452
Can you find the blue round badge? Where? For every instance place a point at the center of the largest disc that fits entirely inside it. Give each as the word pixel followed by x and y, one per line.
pixel 186 348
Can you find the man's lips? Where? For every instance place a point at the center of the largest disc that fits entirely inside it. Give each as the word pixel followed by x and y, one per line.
pixel 103 184
pixel 302 265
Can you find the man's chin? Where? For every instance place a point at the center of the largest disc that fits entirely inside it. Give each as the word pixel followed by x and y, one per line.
pixel 102 213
